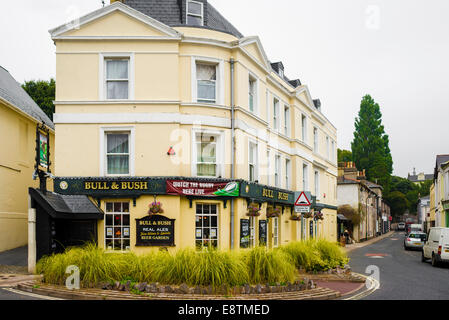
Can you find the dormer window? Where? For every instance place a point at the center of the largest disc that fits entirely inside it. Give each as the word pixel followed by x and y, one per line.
pixel 195 13
pixel 281 73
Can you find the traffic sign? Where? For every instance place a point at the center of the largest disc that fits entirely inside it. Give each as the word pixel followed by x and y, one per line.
pixel 302 202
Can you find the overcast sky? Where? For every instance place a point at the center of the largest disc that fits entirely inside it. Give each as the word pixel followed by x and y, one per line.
pixel 395 50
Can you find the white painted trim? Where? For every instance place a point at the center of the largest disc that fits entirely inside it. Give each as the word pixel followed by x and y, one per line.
pixel 116 6
pixel 252 141
pixel 220 83
pixel 252 76
pixel 113 102
pixel 98 52
pixel 220 151
pixel 102 75
pixel 132 152
pixel 97 38
pixel 243 42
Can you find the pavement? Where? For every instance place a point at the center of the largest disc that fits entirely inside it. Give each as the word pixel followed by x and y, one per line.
pixel 357 245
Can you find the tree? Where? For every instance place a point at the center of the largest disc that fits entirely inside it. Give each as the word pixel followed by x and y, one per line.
pixel 398 203
pixel 370 147
pixel 344 155
pixel 43 93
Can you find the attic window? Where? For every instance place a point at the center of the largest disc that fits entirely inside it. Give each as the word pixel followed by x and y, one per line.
pixel 195 13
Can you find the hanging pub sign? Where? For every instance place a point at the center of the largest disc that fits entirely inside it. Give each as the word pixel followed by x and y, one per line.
pixel 202 189
pixel 42 147
pixel 155 231
pixel 244 233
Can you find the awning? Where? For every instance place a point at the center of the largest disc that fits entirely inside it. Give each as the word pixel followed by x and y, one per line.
pixel 58 206
pixel 342 217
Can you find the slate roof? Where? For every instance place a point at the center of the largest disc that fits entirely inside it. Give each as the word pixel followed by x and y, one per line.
pixel 12 92
pixel 68 206
pixel 172 12
pixel 414 178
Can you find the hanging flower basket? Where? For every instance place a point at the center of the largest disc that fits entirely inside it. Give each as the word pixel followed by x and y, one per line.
pixel 253 210
pixel 273 212
pixel 308 215
pixel 155 208
pixel 318 216
pixel 295 217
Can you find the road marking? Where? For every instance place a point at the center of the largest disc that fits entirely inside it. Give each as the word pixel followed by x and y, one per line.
pixel 23 293
pixel 374 285
pixel 394 239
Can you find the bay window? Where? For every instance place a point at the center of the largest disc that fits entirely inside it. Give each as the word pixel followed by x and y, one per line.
pixel 206 75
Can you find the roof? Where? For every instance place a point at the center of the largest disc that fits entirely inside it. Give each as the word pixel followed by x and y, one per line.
pixel 172 13
pixel 66 206
pixel 12 92
pixel 372 184
pixel 414 178
pixel 441 159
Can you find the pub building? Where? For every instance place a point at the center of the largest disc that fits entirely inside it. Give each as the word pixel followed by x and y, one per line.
pixel 174 130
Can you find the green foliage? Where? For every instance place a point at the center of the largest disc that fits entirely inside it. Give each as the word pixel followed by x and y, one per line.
pixel 370 147
pixel 344 155
pixel 398 203
pixel 208 267
pixel 43 93
pixel 351 213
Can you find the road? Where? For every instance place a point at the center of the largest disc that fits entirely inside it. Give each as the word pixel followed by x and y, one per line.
pixel 402 275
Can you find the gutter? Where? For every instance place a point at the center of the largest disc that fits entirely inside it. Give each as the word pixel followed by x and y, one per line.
pixel 232 62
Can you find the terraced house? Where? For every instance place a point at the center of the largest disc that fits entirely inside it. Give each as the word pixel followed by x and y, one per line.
pixel 164 105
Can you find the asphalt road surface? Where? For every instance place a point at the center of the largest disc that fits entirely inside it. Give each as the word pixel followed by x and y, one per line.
pixel 402 275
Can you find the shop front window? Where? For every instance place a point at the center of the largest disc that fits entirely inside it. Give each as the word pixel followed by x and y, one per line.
pixel 117 226
pixel 206 226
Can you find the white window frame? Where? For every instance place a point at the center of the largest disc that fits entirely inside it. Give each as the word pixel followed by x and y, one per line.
pixel 219 152
pixel 103 57
pixel 252 232
pixel 277 170
pixel 253 78
pixel 219 85
pixel 288 171
pixel 255 164
pixel 305 177
pixel 276 114
pixel 268 167
pixel 333 150
pixel 121 225
pixel 304 128
pixel 267 105
pixel 327 148
pixel 103 148
pixel 209 215
pixel 194 14
pixel 317 184
pixel 315 140
pixel 275 231
pixel 287 120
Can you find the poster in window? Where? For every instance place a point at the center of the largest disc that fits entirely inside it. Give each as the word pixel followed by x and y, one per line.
pixel 109 232
pixel 43 150
pixel 199 234
pixel 213 233
pixel 244 233
pixel 126 232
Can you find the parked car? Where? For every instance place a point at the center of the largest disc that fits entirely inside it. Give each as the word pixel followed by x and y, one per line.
pixel 415 240
pixel 437 246
pixel 416 228
pixel 401 226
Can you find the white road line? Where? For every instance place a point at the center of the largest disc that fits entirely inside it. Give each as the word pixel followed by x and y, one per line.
pixel 33 295
pixel 374 285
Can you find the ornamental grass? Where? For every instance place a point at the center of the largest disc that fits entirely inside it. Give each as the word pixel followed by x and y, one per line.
pixel 204 268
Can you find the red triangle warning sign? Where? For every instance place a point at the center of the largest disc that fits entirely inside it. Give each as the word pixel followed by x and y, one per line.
pixel 302 200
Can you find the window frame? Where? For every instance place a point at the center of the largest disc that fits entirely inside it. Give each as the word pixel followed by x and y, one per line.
pixel 305 177
pixel 103 57
pixel 219 82
pixel 304 128
pixel 276 122
pixel 252 231
pixel 122 226
pixel 255 80
pixel 219 152
pixel 217 214
pixel 194 14
pixel 288 170
pixel 275 231
pixel 287 117
pixel 253 144
pixel 315 140
pixel 316 181
pixel 277 170
pixel 104 131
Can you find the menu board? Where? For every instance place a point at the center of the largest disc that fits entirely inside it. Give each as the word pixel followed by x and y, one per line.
pixel 155 231
pixel 244 233
pixel 263 232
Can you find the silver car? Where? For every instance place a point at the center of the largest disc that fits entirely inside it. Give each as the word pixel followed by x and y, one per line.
pixel 415 240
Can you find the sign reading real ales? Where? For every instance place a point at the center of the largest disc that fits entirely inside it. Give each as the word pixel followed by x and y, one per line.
pixel 155 231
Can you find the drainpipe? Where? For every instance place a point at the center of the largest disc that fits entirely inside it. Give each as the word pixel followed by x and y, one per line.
pixel 232 62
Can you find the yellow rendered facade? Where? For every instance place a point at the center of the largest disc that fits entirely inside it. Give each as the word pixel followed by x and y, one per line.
pixel 163 111
pixel 17 160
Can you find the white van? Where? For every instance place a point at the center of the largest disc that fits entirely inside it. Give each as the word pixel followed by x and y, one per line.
pixel 436 246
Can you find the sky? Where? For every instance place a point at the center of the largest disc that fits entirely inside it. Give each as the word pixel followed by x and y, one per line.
pixel 395 50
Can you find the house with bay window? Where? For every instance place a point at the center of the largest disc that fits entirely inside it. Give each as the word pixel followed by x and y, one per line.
pixel 165 104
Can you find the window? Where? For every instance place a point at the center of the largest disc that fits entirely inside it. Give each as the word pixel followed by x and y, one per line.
pixel 252 161
pixel 287 173
pixel 117 226
pixel 304 128
pixel 117 78
pixel 252 231
pixel 206 76
pixel 206 155
pixel 317 184
pixel 267 105
pixel 333 151
pixel 287 121
pixel 315 140
pixel 275 114
pixel 117 153
pixel 277 171
pixel 206 226
pixel 252 94
pixel 195 15
pixel 305 177
pixel 275 232
pixel 268 168
pixel 327 148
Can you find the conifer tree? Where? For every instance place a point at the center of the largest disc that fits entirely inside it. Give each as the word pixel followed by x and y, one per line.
pixel 370 147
